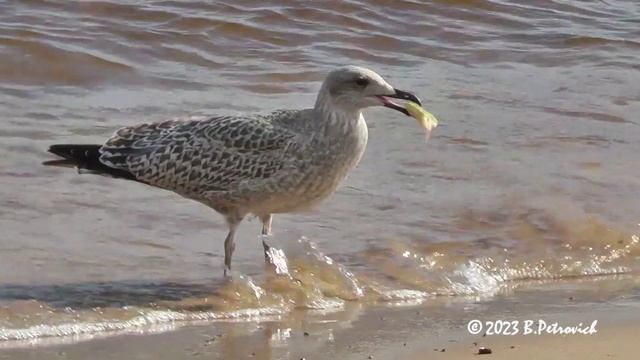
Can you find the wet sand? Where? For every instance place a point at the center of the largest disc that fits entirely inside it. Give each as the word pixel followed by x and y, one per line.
pixel 615 341
pixel 398 331
pixel 617 337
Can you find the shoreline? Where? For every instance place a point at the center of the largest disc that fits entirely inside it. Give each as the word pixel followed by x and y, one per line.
pixel 412 331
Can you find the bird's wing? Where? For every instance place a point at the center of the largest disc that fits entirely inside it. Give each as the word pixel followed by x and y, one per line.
pixel 215 154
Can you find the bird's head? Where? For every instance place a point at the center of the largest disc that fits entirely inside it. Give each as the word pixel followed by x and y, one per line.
pixel 354 88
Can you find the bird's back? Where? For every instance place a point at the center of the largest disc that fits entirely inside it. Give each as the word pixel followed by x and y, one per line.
pixel 267 163
pixel 197 155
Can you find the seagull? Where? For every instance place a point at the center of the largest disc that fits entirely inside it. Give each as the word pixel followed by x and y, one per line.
pixel 262 164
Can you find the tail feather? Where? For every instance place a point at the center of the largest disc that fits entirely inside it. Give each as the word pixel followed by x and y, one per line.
pixel 85 157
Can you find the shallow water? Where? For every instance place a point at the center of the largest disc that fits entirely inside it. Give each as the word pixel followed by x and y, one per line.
pixel 532 174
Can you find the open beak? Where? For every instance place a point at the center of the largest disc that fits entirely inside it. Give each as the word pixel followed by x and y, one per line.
pixel 401 95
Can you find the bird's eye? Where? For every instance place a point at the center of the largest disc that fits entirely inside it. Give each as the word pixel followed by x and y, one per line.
pixel 362 81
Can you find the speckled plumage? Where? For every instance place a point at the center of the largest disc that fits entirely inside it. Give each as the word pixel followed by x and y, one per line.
pixel 260 164
pixel 285 161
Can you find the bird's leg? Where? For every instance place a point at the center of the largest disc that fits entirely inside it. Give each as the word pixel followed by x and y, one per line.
pixel 229 244
pixel 266 231
pixel 266 224
pixel 273 257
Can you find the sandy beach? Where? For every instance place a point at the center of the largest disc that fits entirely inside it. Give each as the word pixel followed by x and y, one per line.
pixel 617 334
pixel 615 341
pixel 435 329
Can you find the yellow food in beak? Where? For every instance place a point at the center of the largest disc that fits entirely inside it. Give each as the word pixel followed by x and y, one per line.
pixel 424 118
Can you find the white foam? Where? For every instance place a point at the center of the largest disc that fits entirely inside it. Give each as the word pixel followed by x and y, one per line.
pixel 152 321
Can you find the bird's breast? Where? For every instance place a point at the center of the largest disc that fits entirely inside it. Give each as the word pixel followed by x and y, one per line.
pixel 317 171
pixel 329 164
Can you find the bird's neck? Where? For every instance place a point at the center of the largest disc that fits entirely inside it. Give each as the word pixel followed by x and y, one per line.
pixel 333 117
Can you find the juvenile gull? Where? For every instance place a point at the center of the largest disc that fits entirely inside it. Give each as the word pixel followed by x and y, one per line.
pixel 286 161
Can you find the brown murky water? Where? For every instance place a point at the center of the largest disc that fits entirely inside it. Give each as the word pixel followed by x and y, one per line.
pixel 533 174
